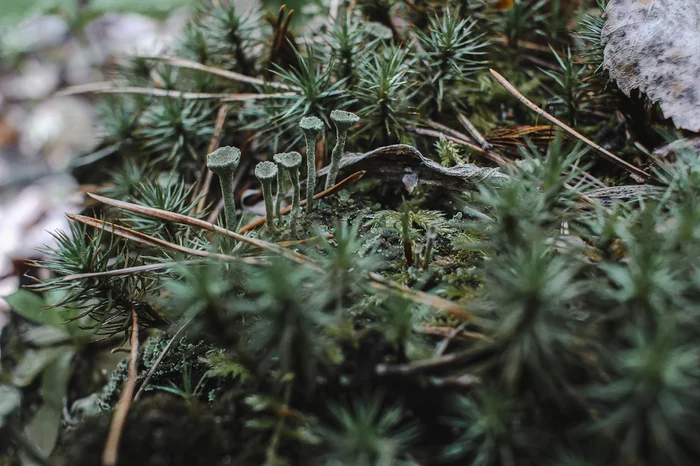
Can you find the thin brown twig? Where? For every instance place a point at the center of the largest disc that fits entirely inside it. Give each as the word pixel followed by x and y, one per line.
pixel 338 186
pixel 147 240
pixel 195 222
pixel 446 331
pixel 447 130
pixel 473 131
pixel 286 244
pixel 109 88
pixel 193 65
pixel 160 358
pixel 436 134
pixel 636 172
pixel 111 451
pixel 420 297
pixel 126 270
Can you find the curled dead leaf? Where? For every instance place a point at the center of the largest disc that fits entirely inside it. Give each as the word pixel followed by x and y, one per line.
pixel 654 46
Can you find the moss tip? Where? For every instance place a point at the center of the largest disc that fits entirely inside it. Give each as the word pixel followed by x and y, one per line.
pixel 266 171
pixel 224 159
pixel 288 159
pixel 343 118
pixel 313 124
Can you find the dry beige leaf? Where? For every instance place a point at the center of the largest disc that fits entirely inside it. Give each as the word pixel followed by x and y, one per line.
pixel 654 46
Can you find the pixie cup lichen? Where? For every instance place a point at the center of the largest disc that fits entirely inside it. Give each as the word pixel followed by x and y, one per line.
pixel 343 121
pixel 311 126
pixel 266 172
pixel 223 162
pixel 290 163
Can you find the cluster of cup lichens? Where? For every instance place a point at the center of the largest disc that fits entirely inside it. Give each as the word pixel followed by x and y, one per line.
pixel 224 162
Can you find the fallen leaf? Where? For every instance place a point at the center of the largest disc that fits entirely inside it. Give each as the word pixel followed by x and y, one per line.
pixel 654 46
pixel 406 164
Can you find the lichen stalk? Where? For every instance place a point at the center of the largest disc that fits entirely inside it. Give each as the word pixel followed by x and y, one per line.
pixel 311 126
pixel 266 172
pixel 343 121
pixel 223 162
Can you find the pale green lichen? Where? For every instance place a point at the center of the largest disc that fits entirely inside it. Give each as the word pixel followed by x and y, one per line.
pixel 223 162
pixel 343 121
pixel 290 162
pixel 266 172
pixel 311 126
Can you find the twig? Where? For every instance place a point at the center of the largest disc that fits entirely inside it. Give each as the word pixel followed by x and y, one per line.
pixel 446 331
pixel 160 358
pixel 424 365
pixel 442 347
pixel 108 88
pixel 436 134
pixel 338 186
pixel 109 456
pixel 420 297
pixel 193 65
pixel 147 240
pixel 473 131
pixel 195 222
pixel 447 130
pixel 636 172
pixel 286 244
pixel 464 380
pixel 126 270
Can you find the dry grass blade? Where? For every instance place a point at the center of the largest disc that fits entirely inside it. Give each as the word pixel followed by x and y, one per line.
pixel 109 456
pixel 337 187
pixel 193 65
pixel 160 358
pixel 195 222
pixel 224 97
pixel 469 126
pixel 147 240
pixel 420 297
pixel 127 270
pixel 636 172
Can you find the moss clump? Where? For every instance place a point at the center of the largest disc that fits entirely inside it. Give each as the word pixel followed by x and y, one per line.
pixel 162 429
